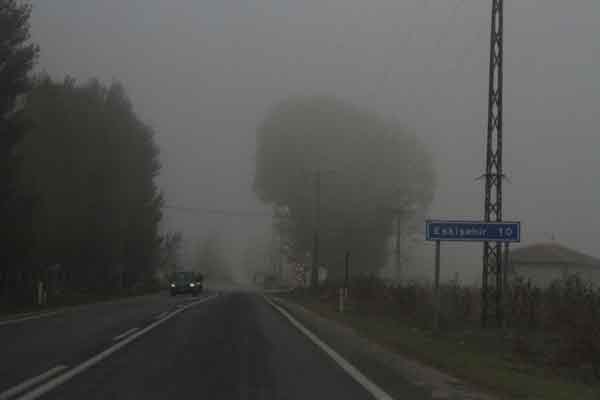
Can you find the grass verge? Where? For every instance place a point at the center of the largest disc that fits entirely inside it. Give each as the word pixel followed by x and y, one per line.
pixel 458 356
pixel 8 311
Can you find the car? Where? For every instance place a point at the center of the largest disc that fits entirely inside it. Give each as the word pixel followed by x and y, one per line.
pixel 185 282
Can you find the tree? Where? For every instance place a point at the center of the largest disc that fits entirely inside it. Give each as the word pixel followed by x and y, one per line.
pixel 368 166
pixel 92 163
pixel 17 58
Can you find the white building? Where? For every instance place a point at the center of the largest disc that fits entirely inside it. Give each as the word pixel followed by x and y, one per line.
pixel 544 263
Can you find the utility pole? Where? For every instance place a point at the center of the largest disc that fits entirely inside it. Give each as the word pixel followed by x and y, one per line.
pixel 317 215
pixel 273 246
pixel 491 287
pixel 280 223
pixel 398 212
pixel 398 259
pixel 281 256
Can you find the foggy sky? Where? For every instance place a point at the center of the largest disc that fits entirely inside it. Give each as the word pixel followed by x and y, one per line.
pixel 203 74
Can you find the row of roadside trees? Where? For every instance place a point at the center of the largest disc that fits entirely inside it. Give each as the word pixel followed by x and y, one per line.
pixel 79 205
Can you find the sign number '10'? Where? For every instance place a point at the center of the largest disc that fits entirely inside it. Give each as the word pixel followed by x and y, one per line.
pixel 506 231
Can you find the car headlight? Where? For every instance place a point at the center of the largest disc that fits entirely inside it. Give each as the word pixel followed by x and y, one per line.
pixel 192 284
pixel 172 285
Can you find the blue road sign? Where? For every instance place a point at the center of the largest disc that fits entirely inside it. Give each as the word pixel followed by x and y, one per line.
pixel 473 231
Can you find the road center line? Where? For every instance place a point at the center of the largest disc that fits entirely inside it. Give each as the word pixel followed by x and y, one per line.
pixel 23 386
pixel 161 315
pixel 350 369
pixel 61 379
pixel 126 333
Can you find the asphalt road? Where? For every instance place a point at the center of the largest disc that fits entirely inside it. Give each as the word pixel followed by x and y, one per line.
pixel 228 346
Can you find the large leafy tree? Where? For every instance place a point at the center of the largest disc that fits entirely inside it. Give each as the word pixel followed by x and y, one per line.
pixel 92 164
pixel 17 57
pixel 370 168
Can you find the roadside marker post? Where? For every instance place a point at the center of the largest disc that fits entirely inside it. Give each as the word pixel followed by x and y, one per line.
pixel 347 273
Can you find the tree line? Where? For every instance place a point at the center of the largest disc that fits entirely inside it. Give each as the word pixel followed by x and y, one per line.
pixel 80 205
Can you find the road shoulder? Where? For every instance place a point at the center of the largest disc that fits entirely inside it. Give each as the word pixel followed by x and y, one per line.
pixel 7 318
pixel 398 375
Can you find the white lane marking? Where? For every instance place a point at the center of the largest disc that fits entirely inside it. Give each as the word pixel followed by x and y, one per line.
pixel 23 386
pixel 161 315
pixel 276 291
pixel 30 317
pixel 59 380
pixel 126 333
pixel 350 369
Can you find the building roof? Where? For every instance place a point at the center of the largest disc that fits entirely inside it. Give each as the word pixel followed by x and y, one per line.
pixel 551 253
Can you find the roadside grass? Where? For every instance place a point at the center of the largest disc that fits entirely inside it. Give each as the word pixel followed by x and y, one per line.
pixel 9 310
pixel 478 358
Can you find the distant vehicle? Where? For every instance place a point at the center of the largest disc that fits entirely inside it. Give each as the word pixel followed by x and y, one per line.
pixel 186 282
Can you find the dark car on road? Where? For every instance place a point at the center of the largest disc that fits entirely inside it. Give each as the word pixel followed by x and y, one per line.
pixel 186 282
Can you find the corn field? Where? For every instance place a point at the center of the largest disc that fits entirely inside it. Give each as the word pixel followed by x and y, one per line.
pixel 556 327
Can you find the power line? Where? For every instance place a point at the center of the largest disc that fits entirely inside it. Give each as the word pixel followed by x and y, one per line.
pixel 220 212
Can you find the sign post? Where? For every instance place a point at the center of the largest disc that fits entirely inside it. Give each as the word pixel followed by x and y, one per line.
pixel 436 310
pixel 465 231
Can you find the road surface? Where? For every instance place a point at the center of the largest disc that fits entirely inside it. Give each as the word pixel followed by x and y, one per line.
pixel 229 345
